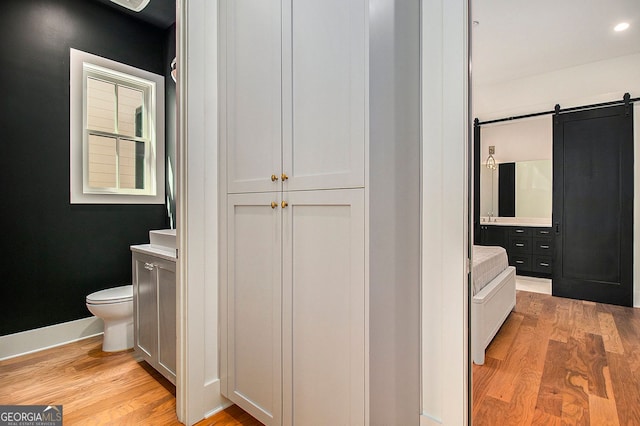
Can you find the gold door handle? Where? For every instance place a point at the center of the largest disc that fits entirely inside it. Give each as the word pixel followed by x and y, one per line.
pixel 284 204
pixel 274 178
pixel 284 177
pixel 274 204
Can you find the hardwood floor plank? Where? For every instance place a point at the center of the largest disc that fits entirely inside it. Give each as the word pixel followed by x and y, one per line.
pixel 626 389
pixel 596 362
pixel 542 418
pixel 610 336
pixel 561 322
pixel 493 412
pixel 603 411
pixel 500 346
pixel 502 385
pixel 549 398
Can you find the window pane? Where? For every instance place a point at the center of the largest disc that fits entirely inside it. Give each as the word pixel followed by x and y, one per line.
pixel 131 164
pixel 102 162
pixel 130 103
pixel 101 105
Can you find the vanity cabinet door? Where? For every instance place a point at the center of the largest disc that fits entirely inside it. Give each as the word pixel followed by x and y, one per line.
pixel 154 312
pixel 493 236
pixel 145 307
pixel 166 288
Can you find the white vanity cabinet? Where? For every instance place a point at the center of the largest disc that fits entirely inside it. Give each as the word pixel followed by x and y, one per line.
pixel 154 308
pixel 319 150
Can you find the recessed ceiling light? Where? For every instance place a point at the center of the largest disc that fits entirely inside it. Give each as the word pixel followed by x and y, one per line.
pixel 621 26
pixel 135 5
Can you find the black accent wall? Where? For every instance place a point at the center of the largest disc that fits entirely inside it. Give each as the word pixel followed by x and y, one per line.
pixel 53 253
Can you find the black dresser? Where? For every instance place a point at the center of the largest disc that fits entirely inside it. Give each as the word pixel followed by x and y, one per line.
pixel 530 249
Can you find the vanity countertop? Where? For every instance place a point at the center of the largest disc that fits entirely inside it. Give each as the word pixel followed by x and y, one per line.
pixel 516 221
pixel 152 250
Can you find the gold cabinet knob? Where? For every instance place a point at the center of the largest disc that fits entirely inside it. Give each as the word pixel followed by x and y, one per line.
pixel 284 177
pixel 284 204
pixel 274 204
pixel 274 178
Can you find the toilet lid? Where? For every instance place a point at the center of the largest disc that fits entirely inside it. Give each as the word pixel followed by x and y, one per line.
pixel 111 295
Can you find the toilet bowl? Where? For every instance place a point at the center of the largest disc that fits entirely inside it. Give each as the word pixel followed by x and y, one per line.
pixel 115 307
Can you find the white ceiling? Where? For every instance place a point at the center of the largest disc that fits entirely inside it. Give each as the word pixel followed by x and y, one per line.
pixel 519 38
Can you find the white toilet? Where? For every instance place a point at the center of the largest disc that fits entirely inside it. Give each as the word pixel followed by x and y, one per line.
pixel 115 307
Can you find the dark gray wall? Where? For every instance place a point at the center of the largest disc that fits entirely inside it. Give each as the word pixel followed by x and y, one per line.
pixel 53 254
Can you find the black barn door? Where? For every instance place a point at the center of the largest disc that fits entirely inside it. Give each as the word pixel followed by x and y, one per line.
pixel 593 205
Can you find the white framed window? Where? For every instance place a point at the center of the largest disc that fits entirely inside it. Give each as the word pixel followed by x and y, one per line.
pixel 117 132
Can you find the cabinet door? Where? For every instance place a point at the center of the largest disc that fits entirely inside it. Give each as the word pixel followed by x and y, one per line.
pixel 145 307
pixel 166 287
pixel 324 308
pixel 324 93
pixel 494 236
pixel 252 126
pixel 254 341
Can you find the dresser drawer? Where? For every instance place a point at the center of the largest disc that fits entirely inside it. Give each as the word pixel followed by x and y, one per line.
pixel 520 261
pixel 542 264
pixel 520 231
pixel 519 245
pixel 542 232
pixel 543 246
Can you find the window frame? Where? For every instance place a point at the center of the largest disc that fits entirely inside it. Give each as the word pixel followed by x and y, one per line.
pixel 82 66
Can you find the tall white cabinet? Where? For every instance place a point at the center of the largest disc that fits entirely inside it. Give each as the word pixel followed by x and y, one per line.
pixel 305 328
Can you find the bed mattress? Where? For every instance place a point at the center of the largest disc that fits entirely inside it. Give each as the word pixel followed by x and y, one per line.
pixel 488 262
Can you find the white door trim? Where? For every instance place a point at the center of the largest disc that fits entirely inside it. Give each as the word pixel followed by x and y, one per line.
pixel 445 124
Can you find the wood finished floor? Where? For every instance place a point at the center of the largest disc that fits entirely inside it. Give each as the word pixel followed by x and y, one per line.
pixel 98 388
pixel 559 361
pixel 554 362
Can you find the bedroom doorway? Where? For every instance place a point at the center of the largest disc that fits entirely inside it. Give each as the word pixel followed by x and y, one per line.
pixel 593 204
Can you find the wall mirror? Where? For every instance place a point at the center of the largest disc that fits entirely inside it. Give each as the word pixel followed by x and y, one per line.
pixel 524 189
pixel 521 183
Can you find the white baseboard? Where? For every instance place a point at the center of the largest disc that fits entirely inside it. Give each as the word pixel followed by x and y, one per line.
pixel 26 342
pixel 214 398
pixel 636 299
pixel 426 420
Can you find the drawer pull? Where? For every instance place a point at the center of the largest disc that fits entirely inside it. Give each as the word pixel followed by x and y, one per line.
pixel 519 262
pixel 148 266
pixel 519 231
pixel 544 247
pixel 519 244
pixel 546 265
pixel 544 232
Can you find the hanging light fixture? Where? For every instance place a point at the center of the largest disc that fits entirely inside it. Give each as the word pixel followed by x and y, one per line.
pixel 491 162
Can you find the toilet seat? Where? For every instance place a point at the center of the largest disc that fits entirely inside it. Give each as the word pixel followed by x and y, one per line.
pixel 111 295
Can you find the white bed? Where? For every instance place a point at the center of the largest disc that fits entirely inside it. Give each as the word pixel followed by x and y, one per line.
pixel 494 296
